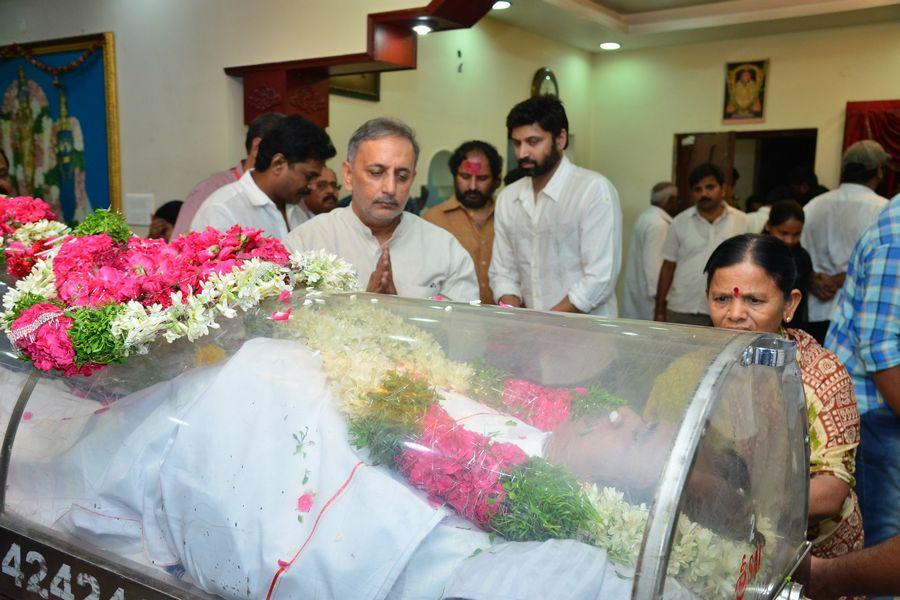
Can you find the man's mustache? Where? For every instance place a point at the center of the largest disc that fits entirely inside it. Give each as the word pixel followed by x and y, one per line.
pixel 330 198
pixel 386 200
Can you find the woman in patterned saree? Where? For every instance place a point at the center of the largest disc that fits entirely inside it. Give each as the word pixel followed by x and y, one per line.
pixel 750 286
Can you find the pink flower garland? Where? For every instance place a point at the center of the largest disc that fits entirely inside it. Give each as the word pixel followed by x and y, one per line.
pixel 543 407
pixel 458 466
pixel 15 212
pixel 94 270
pixel 42 332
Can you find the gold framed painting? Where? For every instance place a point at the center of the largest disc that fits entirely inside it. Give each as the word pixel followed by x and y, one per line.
pixel 59 122
pixel 745 91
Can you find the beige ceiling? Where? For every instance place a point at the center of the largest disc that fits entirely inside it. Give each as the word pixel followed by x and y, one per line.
pixel 627 7
pixel 644 23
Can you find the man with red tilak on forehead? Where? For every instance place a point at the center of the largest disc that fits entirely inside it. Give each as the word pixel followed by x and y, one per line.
pixel 469 213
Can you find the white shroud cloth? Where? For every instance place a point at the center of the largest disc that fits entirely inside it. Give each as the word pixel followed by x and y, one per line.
pixel 214 471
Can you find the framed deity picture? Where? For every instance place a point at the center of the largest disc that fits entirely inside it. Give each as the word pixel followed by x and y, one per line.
pixel 745 91
pixel 59 122
pixel 365 86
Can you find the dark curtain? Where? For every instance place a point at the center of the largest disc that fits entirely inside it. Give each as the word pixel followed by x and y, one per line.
pixel 879 121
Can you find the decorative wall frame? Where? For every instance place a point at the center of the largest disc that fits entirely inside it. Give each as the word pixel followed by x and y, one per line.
pixel 745 91
pixel 59 122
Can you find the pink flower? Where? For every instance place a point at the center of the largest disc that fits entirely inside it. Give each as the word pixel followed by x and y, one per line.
pixel 458 466
pixel 15 212
pixel 21 258
pixel 285 296
pixel 280 316
pixel 543 407
pixel 305 502
pixel 48 346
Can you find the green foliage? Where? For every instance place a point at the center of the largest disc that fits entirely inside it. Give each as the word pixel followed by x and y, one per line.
pixel 543 501
pixel 596 400
pixel 92 337
pixel 401 400
pixel 383 439
pixel 27 300
pixel 104 221
pixel 488 382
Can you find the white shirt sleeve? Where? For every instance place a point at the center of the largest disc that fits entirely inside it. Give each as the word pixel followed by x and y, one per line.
pixel 213 215
pixel 601 249
pixel 655 237
pixel 670 246
pixel 462 282
pixel 503 274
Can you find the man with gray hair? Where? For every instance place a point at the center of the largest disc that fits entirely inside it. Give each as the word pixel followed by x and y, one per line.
pixel 645 252
pixel 394 252
pixel 835 221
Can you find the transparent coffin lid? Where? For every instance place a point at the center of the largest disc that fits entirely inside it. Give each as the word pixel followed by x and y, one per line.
pixel 528 448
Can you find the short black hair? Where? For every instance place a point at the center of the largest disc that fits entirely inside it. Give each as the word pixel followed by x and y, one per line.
pixel 547 111
pixel 784 211
pixel 765 251
pixel 857 173
pixel 297 139
pixel 260 126
pixel 493 157
pixel 169 211
pixel 705 170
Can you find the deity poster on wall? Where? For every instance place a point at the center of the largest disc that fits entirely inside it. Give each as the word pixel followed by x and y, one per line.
pixel 59 124
pixel 745 91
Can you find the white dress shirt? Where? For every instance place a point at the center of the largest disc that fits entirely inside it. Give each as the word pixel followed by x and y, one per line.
pixel 567 242
pixel 756 221
pixel 834 222
pixel 298 214
pixel 689 243
pixel 241 203
pixel 643 264
pixel 426 260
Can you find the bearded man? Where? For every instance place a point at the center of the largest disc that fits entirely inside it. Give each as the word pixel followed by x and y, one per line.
pixel 469 214
pixel 558 230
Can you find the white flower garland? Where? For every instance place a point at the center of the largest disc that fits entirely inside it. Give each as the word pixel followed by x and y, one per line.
pixel 39 230
pixel 221 295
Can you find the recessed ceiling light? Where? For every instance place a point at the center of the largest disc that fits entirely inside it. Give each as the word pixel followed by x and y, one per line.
pixel 501 5
pixel 610 46
pixel 422 29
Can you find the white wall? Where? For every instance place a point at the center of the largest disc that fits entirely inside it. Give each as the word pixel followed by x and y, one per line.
pixel 447 107
pixel 641 98
pixel 181 117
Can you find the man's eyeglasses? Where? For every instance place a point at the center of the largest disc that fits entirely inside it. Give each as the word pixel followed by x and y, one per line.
pixel 324 185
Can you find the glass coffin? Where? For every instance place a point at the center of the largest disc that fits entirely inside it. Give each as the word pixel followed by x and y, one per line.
pixel 378 447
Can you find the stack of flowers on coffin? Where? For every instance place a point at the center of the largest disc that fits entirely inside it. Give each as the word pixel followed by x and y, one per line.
pixel 103 294
pixel 28 227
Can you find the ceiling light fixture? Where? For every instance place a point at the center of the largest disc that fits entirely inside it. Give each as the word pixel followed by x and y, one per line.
pixel 610 46
pixel 424 26
pixel 501 5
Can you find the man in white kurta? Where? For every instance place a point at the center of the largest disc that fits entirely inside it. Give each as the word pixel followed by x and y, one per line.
pixel 290 157
pixel 645 253
pixel 426 260
pixel 835 221
pixel 394 252
pixel 557 232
